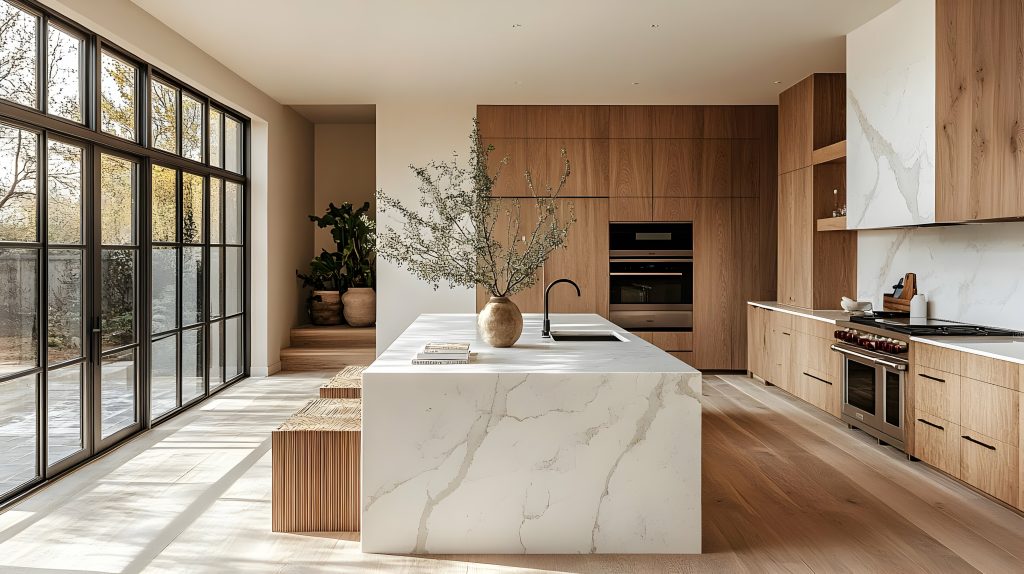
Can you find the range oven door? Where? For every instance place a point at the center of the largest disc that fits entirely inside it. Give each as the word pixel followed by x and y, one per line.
pixel 873 387
pixel 652 293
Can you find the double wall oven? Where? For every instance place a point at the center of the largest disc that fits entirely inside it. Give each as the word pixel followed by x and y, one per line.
pixel 651 276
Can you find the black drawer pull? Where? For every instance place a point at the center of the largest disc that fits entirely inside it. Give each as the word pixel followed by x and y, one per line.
pixel 931 378
pixel 940 427
pixel 817 378
pixel 988 446
pixel 785 333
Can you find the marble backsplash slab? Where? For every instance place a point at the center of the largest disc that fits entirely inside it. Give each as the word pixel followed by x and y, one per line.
pixel 971 273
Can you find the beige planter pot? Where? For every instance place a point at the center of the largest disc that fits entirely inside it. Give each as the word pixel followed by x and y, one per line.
pixel 360 306
pixel 326 311
pixel 500 322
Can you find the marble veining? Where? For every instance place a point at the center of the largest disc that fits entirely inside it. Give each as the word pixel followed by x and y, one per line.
pixel 970 273
pixel 535 452
pixel 890 78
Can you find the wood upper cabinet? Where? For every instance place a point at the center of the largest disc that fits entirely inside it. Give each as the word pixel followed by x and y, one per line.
pixel 631 189
pixel 588 165
pixel 585 122
pixel 531 300
pixel 707 167
pixel 795 126
pixel 979 110
pixel 630 121
pixel 502 121
pixel 584 259
pixel 796 239
pixel 512 179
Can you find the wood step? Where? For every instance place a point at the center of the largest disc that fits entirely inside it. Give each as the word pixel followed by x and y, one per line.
pixel 334 336
pixel 322 359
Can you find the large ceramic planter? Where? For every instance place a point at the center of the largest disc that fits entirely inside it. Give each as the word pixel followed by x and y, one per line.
pixel 360 306
pixel 500 322
pixel 325 308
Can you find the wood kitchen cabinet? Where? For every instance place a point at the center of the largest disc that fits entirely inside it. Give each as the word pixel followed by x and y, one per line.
pixel 631 190
pixel 588 164
pixel 979 112
pixel 512 179
pixel 707 167
pixel 969 428
pixel 794 353
pixel 584 259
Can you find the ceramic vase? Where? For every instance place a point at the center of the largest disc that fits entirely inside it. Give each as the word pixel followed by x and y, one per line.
pixel 360 306
pixel 500 322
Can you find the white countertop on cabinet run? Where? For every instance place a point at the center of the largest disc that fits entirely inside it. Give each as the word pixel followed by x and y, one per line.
pixel 1003 348
pixel 826 315
pixel 543 448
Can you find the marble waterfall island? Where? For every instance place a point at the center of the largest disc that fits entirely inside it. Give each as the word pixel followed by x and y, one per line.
pixel 547 447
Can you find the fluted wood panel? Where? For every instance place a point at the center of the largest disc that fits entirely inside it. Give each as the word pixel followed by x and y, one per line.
pixel 348 384
pixel 316 468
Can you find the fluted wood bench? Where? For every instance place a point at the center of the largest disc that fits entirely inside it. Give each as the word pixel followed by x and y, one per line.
pixel 316 458
pixel 348 384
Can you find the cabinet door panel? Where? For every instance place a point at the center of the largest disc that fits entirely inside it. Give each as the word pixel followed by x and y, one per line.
pixel 584 260
pixel 796 126
pixel 501 121
pixel 937 442
pixel 631 169
pixel 937 393
pixel 588 164
pixel 990 410
pixel 989 465
pixel 631 209
pixel 512 179
pixel 678 167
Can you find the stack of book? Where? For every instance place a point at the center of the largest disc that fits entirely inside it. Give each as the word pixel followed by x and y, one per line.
pixel 443 354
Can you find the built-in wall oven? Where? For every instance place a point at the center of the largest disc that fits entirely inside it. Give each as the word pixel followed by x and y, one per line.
pixel 651 281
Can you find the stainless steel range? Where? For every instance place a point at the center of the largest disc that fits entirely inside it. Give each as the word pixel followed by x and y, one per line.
pixel 875 351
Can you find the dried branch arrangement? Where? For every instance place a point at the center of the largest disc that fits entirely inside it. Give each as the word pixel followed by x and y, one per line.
pixel 462 236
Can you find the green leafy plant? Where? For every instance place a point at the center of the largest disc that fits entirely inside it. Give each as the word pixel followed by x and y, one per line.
pixel 325 273
pixel 463 236
pixel 353 234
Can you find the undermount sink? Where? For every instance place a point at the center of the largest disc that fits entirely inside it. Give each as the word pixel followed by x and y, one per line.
pixel 596 336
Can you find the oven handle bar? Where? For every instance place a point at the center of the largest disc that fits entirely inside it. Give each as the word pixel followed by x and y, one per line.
pixel 647 274
pixel 649 260
pixel 874 360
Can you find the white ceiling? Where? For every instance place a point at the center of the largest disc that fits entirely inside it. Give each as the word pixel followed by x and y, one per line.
pixel 525 51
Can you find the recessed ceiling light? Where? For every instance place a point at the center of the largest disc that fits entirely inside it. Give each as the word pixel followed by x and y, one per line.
pixel 636 83
pixel 777 82
pixel 655 25
pixel 514 26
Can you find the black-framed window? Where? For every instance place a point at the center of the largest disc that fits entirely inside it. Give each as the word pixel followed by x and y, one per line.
pixel 123 252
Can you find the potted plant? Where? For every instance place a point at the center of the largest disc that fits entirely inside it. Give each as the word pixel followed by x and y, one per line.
pixel 352 231
pixel 454 235
pixel 325 279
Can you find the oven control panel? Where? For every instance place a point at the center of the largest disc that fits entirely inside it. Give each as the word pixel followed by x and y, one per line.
pixel 872 342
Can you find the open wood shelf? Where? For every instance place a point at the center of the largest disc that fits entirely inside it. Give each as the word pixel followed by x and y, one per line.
pixel 829 153
pixel 832 224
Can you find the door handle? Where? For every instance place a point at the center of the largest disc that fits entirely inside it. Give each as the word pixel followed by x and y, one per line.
pixel 817 378
pixel 975 441
pixel 931 424
pixel 868 358
pixel 931 378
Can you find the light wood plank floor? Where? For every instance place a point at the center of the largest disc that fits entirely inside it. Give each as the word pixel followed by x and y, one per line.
pixel 786 489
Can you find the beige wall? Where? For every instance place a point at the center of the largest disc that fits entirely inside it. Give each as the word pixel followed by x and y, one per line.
pixel 345 171
pixel 415 132
pixel 282 164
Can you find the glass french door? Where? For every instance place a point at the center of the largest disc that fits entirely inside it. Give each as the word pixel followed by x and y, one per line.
pixel 115 324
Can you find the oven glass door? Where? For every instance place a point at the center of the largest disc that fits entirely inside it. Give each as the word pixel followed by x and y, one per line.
pixel 651 238
pixel 649 282
pixel 861 390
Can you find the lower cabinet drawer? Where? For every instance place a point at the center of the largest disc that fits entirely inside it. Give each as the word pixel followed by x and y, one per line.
pixel 937 393
pixel 937 442
pixel 990 410
pixel 673 340
pixel 989 465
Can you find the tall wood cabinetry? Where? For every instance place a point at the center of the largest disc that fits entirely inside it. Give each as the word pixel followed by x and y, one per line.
pixel 979 106
pixel 816 268
pixel 712 165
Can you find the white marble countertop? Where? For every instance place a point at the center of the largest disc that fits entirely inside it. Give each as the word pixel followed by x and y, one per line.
pixel 1003 348
pixel 532 353
pixel 826 315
